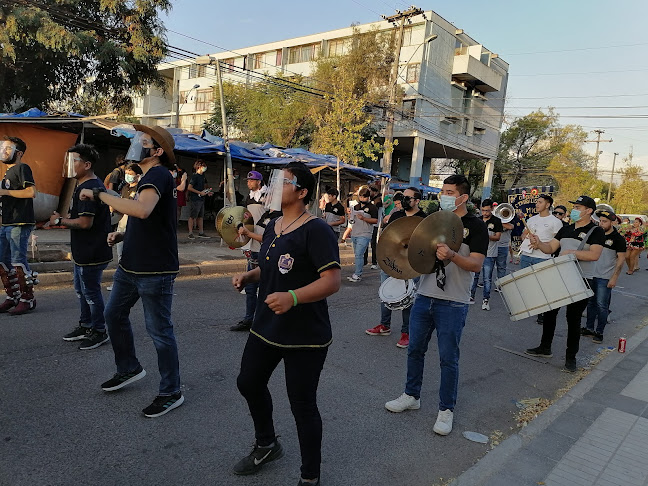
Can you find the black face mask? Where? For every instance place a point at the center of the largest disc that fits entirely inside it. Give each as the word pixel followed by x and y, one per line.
pixel 407 203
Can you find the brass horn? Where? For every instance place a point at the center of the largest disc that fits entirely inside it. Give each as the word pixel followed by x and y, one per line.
pixel 505 212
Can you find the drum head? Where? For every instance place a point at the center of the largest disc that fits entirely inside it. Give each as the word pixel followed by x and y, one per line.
pixel 394 290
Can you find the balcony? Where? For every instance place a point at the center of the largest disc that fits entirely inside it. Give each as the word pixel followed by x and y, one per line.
pixel 468 68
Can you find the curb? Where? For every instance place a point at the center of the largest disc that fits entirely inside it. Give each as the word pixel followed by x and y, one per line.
pixel 495 460
pixel 224 267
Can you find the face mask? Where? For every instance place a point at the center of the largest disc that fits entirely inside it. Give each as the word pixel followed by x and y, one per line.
pixel 137 152
pixel 407 203
pixel 447 203
pixel 575 215
pixel 202 170
pixel 130 178
pixel 8 157
pixel 174 174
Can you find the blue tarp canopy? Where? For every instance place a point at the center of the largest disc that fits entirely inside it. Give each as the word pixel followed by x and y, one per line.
pixel 401 186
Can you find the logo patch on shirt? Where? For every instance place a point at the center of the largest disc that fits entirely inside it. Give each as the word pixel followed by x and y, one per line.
pixel 466 233
pixel 608 242
pixel 285 263
pixel 582 235
pixel 6 184
pixel 366 210
pixel 491 226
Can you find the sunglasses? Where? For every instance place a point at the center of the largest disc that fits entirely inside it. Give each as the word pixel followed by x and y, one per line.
pixel 558 213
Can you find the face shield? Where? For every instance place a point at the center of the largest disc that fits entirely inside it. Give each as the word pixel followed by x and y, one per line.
pixel 68 166
pixel 275 190
pixel 140 147
pixel 7 152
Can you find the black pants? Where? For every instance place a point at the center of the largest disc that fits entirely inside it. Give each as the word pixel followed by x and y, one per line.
pixel 574 314
pixel 374 260
pixel 302 370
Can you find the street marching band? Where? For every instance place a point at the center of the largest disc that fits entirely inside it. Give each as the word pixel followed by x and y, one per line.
pixel 431 266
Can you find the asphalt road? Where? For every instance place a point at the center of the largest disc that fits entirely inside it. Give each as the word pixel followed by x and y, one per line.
pixel 57 427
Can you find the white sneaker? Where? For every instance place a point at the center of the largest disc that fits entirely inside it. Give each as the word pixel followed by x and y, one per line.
pixel 109 288
pixel 485 305
pixel 354 278
pixel 443 425
pixel 402 403
pixel 374 267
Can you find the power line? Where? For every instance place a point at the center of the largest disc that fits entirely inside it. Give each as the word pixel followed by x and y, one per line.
pixel 573 50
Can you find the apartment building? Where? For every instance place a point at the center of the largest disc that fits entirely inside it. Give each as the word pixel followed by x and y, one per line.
pixel 455 90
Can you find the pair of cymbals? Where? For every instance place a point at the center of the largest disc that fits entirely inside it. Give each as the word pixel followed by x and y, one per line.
pixel 407 247
pixel 228 221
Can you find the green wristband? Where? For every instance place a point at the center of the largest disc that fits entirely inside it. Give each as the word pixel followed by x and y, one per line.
pixel 294 296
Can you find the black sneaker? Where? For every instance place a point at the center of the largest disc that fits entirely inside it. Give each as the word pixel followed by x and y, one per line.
pixel 480 285
pixel 204 236
pixel 540 320
pixel 597 338
pixel 163 404
pixel 251 463
pixel 78 334
pixel 94 339
pixel 539 351
pixel 308 483
pixel 586 332
pixel 242 326
pixel 120 380
pixel 570 365
pixel 191 236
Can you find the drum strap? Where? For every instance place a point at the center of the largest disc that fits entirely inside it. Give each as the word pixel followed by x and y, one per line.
pixel 439 268
pixel 582 243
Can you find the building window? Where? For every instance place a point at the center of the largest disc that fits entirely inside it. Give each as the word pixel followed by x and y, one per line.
pixel 336 47
pixel 202 71
pixel 460 48
pixel 204 99
pixel 413 72
pixel 258 61
pixel 183 96
pixel 409 108
pixel 193 71
pixel 303 53
pixel 407 36
pixel 229 64
pixel 279 57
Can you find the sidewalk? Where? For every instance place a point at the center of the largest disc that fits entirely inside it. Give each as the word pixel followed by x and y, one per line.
pixel 595 435
pixel 197 257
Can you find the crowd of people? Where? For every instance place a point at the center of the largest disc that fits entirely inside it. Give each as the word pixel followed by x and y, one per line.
pixel 293 265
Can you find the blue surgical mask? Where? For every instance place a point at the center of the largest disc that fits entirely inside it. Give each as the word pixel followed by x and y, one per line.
pixel 575 215
pixel 448 203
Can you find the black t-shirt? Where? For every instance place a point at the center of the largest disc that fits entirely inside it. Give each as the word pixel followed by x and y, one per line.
pixel 289 262
pixel 89 246
pixel 17 211
pixel 571 237
pixel 151 244
pixel 198 182
pixel 333 213
pixel 401 214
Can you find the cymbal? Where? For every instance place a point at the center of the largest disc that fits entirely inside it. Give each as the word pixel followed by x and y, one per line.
pixel 440 227
pixel 392 248
pixel 228 220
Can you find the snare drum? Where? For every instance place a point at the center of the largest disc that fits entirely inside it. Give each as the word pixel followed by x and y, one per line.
pixel 543 287
pixel 397 294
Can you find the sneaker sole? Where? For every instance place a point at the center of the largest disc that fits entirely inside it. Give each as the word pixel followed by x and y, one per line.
pixel 277 455
pixel 550 355
pixel 138 376
pixel 179 402
pixel 396 410
pixel 95 345
pixel 402 346
pixel 76 338
pixel 377 333
pixel 441 432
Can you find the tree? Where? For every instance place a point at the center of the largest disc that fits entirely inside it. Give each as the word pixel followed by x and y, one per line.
pixel 473 169
pixel 56 51
pixel 272 112
pixel 631 197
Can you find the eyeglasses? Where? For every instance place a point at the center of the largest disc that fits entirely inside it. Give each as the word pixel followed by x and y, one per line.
pixel 558 213
pixel 291 181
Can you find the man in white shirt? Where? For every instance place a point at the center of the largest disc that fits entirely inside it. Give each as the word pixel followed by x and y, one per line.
pixel 545 226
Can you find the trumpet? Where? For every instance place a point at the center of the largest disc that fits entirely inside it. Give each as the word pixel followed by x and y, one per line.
pixel 505 212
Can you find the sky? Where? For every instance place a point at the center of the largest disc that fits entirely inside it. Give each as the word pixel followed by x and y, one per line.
pixel 587 59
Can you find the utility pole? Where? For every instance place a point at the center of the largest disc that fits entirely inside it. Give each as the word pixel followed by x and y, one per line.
pixel 598 142
pixel 231 195
pixel 612 176
pixel 398 20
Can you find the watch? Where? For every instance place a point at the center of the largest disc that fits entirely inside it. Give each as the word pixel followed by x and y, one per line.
pixel 57 221
pixel 95 193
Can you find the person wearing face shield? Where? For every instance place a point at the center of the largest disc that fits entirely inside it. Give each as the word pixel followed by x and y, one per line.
pixel 443 305
pixel 585 240
pixel 17 192
pixel 147 269
pixel 89 224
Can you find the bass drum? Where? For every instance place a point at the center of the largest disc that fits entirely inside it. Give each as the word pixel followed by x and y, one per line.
pixel 397 294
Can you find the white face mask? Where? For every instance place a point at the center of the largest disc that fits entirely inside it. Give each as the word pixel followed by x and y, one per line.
pixel 174 174
pixel 447 203
pixel 130 178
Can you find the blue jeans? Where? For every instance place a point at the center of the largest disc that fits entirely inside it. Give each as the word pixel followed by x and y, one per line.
pixel 360 244
pixel 527 261
pixel 598 305
pixel 385 313
pixel 502 255
pixel 487 269
pixel 13 244
pixel 87 285
pixel 448 318
pixel 156 292
pixel 251 290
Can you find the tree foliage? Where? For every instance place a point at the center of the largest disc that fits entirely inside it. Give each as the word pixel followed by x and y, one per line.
pixel 56 50
pixel 631 197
